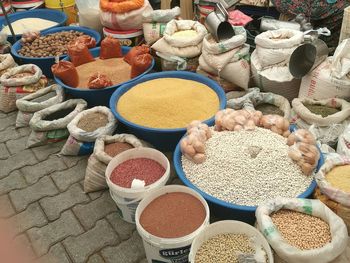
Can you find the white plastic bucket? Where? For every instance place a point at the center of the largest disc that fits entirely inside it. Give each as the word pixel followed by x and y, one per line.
pixel 127 199
pixel 168 250
pixel 234 227
pixel 129 38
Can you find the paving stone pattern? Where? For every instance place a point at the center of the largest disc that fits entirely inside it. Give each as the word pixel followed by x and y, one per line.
pixel 42 195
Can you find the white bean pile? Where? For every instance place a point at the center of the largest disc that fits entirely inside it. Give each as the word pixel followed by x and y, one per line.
pixel 247 168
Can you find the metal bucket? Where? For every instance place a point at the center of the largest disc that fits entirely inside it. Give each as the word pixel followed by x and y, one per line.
pixel 307 57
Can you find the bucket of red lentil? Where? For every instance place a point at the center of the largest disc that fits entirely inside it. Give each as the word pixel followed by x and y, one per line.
pixel 168 219
pixel 129 38
pixel 131 174
pixel 243 242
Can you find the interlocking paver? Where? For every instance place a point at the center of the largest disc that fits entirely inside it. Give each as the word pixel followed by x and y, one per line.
pixel 34 172
pixel 15 180
pixel 22 198
pixel 16 161
pixel 89 214
pixel 6 208
pixel 55 205
pixel 43 152
pixel 43 238
pixel 63 179
pixel 124 229
pixel 96 258
pixel 130 251
pixel 9 134
pixel 8 121
pixel 17 145
pixel 24 244
pixel 33 216
pixel 4 153
pixel 56 254
pixel 81 247
pixel 94 195
pixel 71 161
pixel 24 131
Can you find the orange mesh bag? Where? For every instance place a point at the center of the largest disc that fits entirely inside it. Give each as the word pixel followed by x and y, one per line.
pixel 135 51
pixel 88 41
pixel 110 48
pixel 140 64
pixel 99 81
pixel 79 54
pixel 120 6
pixel 66 71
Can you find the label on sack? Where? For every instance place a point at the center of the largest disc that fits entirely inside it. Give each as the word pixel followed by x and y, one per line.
pixel 57 135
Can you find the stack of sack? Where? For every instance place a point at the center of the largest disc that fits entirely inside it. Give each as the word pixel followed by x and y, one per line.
pixel 227 62
pixel 123 14
pixel 331 78
pixel 17 82
pixel 154 23
pixel 270 62
pixel 181 45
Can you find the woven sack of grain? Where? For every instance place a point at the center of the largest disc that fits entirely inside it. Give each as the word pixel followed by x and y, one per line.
pixel 49 125
pixel 81 142
pixel 292 254
pixel 6 62
pixel 36 101
pixel 130 20
pixel 18 82
pixel 326 129
pixel 95 179
pixel 231 55
pixel 276 78
pixel 254 97
pixel 224 84
pixel 343 146
pixel 331 78
pixel 188 47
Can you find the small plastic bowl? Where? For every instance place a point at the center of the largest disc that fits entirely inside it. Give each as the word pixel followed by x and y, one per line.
pixel 163 139
pixel 46 62
pixel 98 97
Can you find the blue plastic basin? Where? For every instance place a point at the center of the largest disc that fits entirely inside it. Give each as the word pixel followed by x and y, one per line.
pixel 48 14
pixel 46 63
pixel 163 139
pixel 98 97
pixel 225 210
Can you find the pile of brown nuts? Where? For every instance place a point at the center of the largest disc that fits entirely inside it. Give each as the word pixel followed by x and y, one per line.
pixel 50 45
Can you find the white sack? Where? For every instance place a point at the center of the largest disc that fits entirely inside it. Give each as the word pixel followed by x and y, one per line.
pixel 160 16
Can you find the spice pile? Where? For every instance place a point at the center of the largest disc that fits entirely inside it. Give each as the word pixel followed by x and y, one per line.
pixel 168 103
pixel 322 110
pixel 339 177
pixel 173 215
pixel 267 109
pixel 143 169
pixel 301 230
pixel 224 248
pixel 116 148
pixel 49 45
pixel 92 121
pixel 247 168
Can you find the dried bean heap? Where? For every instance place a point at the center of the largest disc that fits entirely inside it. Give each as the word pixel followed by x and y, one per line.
pixel 50 45
pixel 247 168
pixel 224 248
pixel 301 230
pixel 93 121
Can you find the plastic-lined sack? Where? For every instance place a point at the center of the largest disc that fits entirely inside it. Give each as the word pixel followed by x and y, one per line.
pixel 95 179
pixel 134 52
pixel 331 78
pixel 18 82
pixel 153 32
pixel 140 64
pixel 325 129
pixel 88 41
pixel 79 54
pixel 50 124
pixel 37 101
pixel 254 97
pixel 89 14
pixel 66 71
pixel 290 253
pixel 110 48
pixel 270 62
pixel 99 81
pixel 6 62
pixel 184 47
pixel 225 57
pixel 343 146
pixel 123 15
pixel 81 142
pixel 225 85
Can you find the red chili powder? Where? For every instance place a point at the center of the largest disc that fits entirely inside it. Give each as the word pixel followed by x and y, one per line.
pixel 173 215
pixel 144 169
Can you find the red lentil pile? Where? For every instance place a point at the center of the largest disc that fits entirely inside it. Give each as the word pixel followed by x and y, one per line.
pixel 144 169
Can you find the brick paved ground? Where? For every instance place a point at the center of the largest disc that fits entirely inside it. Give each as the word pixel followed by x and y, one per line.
pixel 43 194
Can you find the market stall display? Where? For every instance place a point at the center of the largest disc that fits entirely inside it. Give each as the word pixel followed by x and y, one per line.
pixel 37 101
